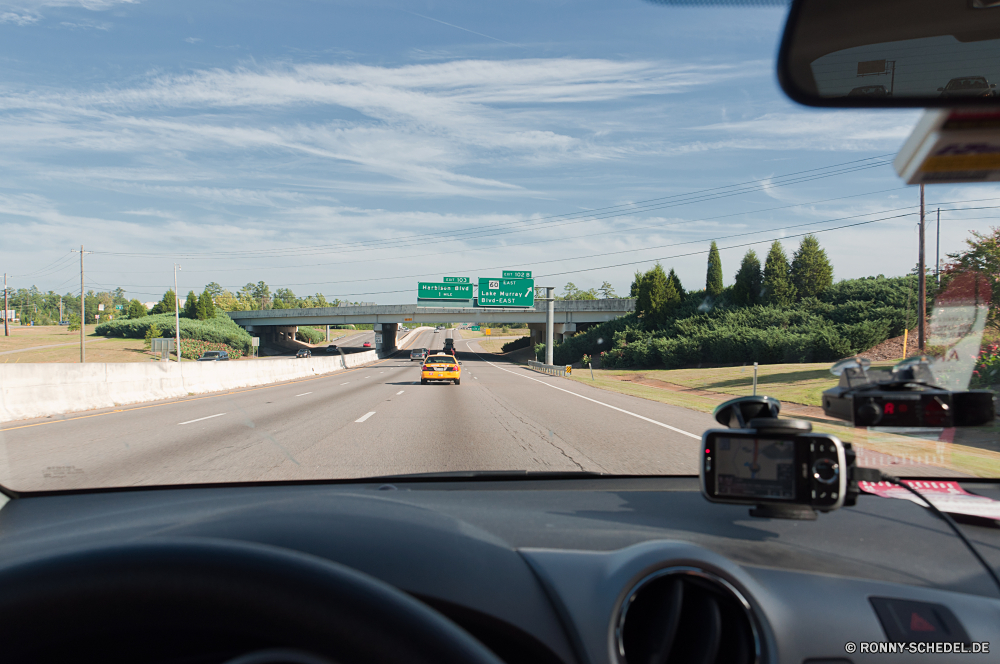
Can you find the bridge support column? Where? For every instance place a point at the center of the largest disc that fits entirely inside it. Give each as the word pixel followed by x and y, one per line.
pixel 388 333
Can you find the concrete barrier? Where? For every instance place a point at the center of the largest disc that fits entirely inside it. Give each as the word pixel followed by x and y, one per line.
pixel 40 390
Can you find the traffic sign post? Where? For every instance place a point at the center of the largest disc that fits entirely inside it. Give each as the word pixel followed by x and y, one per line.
pixel 443 291
pixel 506 292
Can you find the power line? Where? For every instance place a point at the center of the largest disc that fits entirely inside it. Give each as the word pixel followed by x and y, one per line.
pixel 582 216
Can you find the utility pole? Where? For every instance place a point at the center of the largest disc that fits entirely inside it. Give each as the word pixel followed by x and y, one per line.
pixel 921 279
pixel 60 310
pixel 6 328
pixel 177 315
pixel 937 255
pixel 83 310
pixel 550 314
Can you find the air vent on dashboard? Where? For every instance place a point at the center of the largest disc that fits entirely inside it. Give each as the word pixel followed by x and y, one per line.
pixel 683 615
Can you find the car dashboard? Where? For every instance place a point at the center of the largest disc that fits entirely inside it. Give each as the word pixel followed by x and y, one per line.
pixel 586 570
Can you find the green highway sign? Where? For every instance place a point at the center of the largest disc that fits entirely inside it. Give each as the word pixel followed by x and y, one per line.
pixel 474 328
pixel 432 291
pixel 456 280
pixel 517 274
pixel 506 292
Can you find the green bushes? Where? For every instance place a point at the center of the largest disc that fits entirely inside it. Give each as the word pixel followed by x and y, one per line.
pixel 194 348
pixel 310 335
pixel 847 318
pixel 520 342
pixel 220 329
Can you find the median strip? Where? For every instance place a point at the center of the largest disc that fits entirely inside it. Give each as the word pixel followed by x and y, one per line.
pixel 365 417
pixel 201 418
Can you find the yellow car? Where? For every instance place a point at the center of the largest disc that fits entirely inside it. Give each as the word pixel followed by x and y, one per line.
pixel 441 367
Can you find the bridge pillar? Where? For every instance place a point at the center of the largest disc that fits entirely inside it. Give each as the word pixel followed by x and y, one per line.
pixel 388 333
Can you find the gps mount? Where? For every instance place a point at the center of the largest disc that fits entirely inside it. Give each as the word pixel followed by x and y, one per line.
pixel 758 415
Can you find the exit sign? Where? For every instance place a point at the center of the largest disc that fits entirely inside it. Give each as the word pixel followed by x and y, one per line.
pixel 506 292
pixel 517 274
pixel 456 280
pixel 432 291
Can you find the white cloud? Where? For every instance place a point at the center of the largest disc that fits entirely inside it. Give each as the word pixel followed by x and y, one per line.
pixel 18 18
pixel 194 40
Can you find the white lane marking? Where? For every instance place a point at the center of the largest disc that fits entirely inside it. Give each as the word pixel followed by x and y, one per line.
pixel 303 394
pixel 476 377
pixel 347 383
pixel 365 417
pixel 201 418
pixel 400 392
pixel 606 405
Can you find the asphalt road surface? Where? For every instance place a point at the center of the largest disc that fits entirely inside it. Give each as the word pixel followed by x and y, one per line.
pixel 373 421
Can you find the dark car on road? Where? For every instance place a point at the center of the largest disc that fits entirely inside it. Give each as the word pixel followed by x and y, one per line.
pixel 968 86
pixel 869 91
pixel 332 348
pixel 214 356
pixel 418 354
pixel 304 352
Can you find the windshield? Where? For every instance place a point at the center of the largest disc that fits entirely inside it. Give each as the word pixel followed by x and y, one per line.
pixel 317 191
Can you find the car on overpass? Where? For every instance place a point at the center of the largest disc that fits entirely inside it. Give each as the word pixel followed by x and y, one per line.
pixel 441 368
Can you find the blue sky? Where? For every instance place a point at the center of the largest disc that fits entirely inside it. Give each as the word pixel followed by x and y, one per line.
pixel 348 147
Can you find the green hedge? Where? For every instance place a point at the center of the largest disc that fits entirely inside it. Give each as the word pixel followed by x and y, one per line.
pixel 521 342
pixel 220 329
pixel 852 316
pixel 310 335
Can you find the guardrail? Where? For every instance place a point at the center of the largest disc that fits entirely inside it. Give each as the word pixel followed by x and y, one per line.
pixel 551 369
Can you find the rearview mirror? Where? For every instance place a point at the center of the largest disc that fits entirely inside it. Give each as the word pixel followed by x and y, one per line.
pixel 891 53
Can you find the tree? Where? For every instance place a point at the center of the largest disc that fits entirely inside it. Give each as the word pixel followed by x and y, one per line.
pixel 190 306
pixel 713 280
pixel 226 302
pixel 746 290
pixel 983 257
pixel 261 292
pixel 651 299
pixel 286 297
pixel 166 305
pixel 812 273
pixel 676 281
pixel 215 290
pixel 153 332
pixel 74 323
pixel 571 292
pixel 634 290
pixel 205 308
pixel 778 287
pixel 607 291
pixel 136 309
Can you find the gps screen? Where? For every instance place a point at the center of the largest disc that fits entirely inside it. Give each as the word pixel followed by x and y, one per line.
pixel 755 468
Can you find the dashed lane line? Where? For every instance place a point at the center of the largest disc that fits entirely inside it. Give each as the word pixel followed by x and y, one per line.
pixel 600 403
pixel 400 392
pixel 201 418
pixel 303 394
pixel 365 416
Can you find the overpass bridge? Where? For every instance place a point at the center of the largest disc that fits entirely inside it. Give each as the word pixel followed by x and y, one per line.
pixel 568 317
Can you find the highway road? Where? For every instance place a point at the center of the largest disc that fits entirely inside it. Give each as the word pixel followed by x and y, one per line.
pixel 372 421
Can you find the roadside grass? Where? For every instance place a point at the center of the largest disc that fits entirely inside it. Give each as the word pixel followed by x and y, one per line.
pixel 794 383
pixel 28 336
pixel 494 344
pixel 952 456
pixel 99 349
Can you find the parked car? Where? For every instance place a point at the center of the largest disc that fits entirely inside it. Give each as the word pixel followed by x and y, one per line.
pixel 418 354
pixel 366 344
pixel 304 352
pixel 214 356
